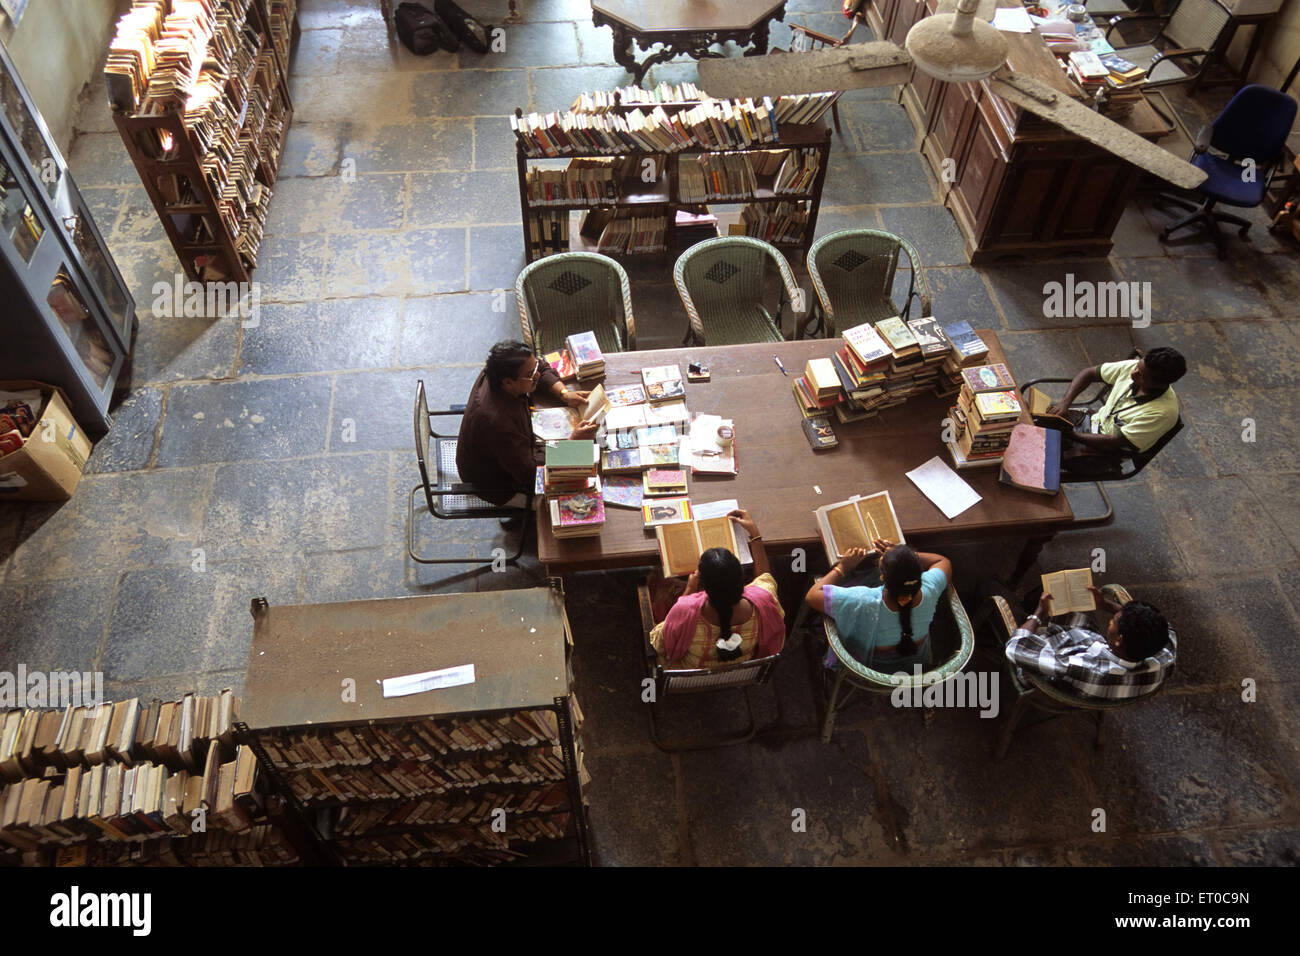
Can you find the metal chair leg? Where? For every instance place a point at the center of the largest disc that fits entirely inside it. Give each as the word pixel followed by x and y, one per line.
pixel 828 724
pixel 473 559
pixel 1103 518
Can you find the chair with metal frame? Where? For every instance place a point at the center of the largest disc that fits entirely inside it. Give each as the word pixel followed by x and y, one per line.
pixel 1126 464
pixel 853 677
pixel 1185 44
pixel 853 273
pixel 575 292
pixel 1036 692
pixel 447 497
pixel 721 282
pixel 741 675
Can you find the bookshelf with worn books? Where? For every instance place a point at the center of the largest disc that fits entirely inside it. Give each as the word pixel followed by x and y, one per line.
pixel 633 171
pixel 200 95
pixel 434 730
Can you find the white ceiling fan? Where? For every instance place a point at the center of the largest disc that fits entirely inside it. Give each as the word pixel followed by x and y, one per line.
pixel 953 45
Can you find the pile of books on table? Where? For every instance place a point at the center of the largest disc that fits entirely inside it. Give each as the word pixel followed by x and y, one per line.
pixel 987 409
pixel 573 490
pixel 588 360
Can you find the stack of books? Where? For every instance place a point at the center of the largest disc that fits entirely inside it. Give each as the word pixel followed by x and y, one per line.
pixel 777 223
pixel 588 360
pixel 602 101
pixel 1086 69
pixel 967 349
pixel 716 176
pixel 663 384
pixel 818 388
pixel 659 482
pixel 987 409
pixel 569 464
pixel 577 515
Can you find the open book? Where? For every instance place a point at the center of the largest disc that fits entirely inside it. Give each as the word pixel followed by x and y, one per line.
pixel 555 424
pixel 1069 591
pixel 597 406
pixel 858 522
pixel 1038 402
pixel 682 543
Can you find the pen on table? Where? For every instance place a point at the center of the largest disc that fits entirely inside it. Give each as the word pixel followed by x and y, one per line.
pixel 777 359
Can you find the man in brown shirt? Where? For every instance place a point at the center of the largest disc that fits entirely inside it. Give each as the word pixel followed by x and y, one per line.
pixel 497 450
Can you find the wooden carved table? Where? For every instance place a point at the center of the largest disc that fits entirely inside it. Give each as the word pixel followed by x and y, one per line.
pixel 683 28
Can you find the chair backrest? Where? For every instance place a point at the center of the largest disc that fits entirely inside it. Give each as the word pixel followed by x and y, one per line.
pixel 1196 24
pixel 853 272
pixel 740 674
pixel 1141 459
pixel 716 276
pixel 1254 124
pixel 881 682
pixel 422 434
pixel 573 292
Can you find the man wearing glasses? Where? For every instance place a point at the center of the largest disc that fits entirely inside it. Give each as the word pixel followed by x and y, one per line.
pixel 497 450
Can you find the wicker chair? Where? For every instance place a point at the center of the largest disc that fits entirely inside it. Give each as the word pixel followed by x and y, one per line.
pixel 447 497
pixel 742 675
pixel 721 283
pixel 853 273
pixel 853 676
pixel 1033 691
pixel 573 292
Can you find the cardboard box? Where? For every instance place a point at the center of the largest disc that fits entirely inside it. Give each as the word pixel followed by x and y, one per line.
pixel 49 465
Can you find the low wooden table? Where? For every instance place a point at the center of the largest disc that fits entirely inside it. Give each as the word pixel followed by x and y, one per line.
pixel 782 480
pixel 683 27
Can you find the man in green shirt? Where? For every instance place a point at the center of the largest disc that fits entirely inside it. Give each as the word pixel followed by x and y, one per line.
pixel 1140 408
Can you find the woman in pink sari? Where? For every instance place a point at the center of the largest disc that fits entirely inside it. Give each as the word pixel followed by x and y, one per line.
pixel 719 620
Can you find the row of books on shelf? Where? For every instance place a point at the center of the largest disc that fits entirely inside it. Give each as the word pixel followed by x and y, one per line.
pixel 174 733
pixel 280 18
pixel 136 802
pixel 257 846
pixel 468 844
pixel 419 777
pixel 442 809
pixel 587 179
pixel 626 231
pixel 883 364
pixel 722 176
pixel 777 223
pixel 411 740
pixel 795 109
pixel 709 125
pixel 548 232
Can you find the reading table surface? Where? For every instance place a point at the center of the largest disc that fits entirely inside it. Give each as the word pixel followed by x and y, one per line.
pixel 782 480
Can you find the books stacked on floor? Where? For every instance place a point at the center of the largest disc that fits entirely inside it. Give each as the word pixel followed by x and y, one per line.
pixel 714 177
pixel 798 172
pixel 587 179
pixel 777 223
pixel 548 231
pixel 588 360
pixel 804 108
pixel 987 410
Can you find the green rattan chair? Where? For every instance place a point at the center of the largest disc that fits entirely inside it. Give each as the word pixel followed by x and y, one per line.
pixel 1038 693
pixel 575 292
pixel 852 677
pixel 721 284
pixel 853 273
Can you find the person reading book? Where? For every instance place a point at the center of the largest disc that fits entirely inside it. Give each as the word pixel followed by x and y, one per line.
pixel 497 450
pixel 886 628
pixel 1140 408
pixel 720 620
pixel 1132 658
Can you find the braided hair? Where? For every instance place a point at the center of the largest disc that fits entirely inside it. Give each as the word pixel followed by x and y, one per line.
pixel 900 569
pixel 720 577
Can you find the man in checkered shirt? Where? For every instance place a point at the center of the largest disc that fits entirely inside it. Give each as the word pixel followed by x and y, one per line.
pixel 1130 660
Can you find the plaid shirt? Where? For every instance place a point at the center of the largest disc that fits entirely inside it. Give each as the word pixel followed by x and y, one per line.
pixel 1082 660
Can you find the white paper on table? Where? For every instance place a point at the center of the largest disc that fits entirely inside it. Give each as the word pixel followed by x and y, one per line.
pixel 716 509
pixel 703 448
pixel 944 487
pixel 1013 20
pixel 429 680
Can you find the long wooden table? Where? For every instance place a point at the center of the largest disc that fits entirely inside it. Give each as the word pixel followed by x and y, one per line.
pixel 782 480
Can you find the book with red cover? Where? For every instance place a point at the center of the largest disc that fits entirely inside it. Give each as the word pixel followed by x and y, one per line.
pixel 1032 460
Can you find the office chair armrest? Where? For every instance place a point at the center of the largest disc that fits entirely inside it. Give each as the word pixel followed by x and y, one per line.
pixel 463 488
pixel 1203 137
pixel 458 409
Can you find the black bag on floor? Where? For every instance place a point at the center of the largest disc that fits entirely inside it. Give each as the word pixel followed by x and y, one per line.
pixel 420 31
pixel 472 33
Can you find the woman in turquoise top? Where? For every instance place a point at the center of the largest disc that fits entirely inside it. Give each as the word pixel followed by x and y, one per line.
pixel 885 628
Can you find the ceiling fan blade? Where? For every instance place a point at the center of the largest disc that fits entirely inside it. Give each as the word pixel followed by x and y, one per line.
pixel 1041 100
pixel 987 8
pixel 844 68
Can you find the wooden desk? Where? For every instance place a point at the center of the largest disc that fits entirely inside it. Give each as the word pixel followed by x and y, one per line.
pixel 780 473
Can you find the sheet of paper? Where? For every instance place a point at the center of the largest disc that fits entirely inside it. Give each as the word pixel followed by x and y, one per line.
pixel 715 509
pixel 1013 20
pixel 429 680
pixel 944 487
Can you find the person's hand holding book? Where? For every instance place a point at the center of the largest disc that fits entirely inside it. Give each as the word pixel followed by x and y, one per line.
pixel 1103 601
pixel 852 558
pixel 585 429
pixel 576 399
pixel 743 518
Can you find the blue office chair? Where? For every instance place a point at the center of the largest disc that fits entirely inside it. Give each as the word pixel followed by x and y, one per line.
pixel 1252 127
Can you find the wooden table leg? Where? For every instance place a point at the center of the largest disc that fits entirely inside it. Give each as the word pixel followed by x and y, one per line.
pixel 1028 555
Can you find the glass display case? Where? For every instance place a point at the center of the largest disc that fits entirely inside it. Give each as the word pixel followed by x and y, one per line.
pixel 69 318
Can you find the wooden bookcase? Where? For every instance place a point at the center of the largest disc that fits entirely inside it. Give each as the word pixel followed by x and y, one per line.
pixel 313 690
pixel 662 195
pixel 162 148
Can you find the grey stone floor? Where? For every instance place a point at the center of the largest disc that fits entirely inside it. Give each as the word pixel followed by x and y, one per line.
pixel 283 452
